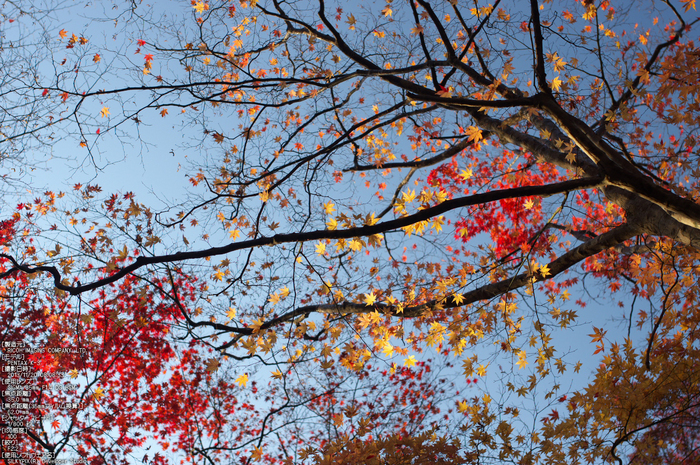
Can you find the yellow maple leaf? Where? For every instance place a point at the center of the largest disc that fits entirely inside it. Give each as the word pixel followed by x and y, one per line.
pixel 242 380
pixel 437 223
pixel 257 324
pixel 231 314
pixel 104 112
pixel 370 298
pixel 98 394
pixel 556 84
pixel 328 208
pixel 529 204
pixel 463 406
pixel 545 271
pixel 388 349
pixel 466 174
pixel 200 7
pixel 73 373
pixel 408 196
pixel 410 361
pixel 321 248
pixel 522 361
pixel 441 195
pixel 234 234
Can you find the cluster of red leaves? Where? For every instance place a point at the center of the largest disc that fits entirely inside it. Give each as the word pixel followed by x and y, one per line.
pixel 512 223
pixel 118 365
pixel 7 230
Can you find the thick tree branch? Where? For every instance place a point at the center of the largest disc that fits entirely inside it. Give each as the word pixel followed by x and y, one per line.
pixel 457 102
pixel 422 215
pixel 592 247
pixel 619 171
pixel 651 218
pixel 540 73
pixel 535 145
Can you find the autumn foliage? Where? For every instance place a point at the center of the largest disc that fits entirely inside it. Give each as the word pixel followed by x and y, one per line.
pixel 410 231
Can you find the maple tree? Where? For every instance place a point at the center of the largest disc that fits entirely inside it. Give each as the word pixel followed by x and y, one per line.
pixel 379 194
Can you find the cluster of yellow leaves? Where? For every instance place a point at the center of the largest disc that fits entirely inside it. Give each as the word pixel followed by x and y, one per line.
pixel 559 63
pixel 481 12
pixel 427 198
pixel 279 295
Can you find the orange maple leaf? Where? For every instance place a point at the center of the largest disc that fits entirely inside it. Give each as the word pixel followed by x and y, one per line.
pixel 688 4
pixel 417 30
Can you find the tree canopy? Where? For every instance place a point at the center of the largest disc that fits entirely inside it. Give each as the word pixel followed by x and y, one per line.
pixel 396 218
